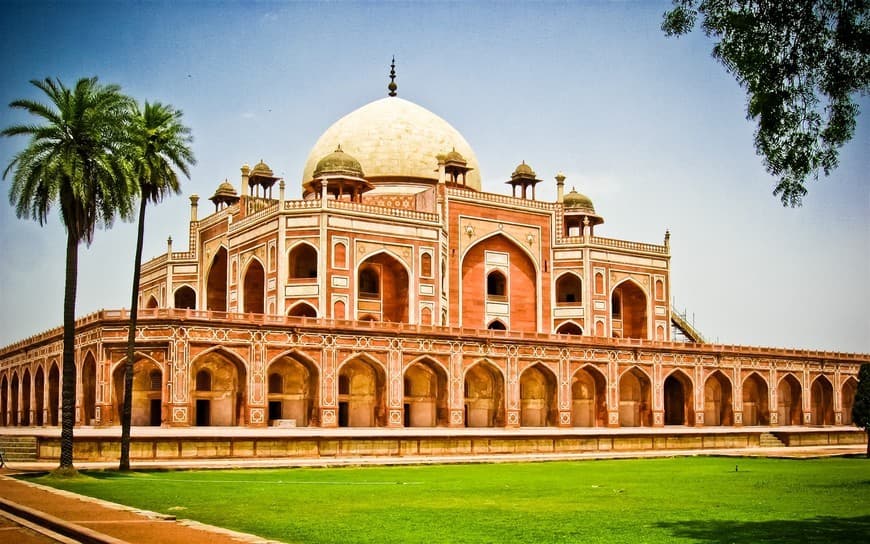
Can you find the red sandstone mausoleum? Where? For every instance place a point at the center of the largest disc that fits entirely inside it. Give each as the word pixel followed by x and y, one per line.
pixel 396 293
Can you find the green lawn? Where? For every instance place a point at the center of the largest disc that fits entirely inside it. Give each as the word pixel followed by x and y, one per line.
pixel 694 499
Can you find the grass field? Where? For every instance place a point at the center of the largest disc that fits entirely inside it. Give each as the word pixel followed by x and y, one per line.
pixel 695 499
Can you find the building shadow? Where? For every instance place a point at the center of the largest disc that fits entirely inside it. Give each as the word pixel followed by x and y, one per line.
pixel 822 529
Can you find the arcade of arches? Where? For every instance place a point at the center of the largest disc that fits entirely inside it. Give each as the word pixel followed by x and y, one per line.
pixel 221 387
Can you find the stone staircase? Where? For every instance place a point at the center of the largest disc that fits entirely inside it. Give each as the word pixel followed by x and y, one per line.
pixel 18 448
pixel 769 440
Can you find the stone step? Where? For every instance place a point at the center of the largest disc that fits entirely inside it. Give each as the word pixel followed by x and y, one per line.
pixel 18 448
pixel 769 440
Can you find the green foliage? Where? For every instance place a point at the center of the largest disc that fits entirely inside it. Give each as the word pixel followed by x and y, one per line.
pixel 72 160
pixel 156 143
pixel 688 499
pixel 861 406
pixel 801 62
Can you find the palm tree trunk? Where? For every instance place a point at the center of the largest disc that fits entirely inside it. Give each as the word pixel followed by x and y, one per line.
pixel 68 392
pixel 127 409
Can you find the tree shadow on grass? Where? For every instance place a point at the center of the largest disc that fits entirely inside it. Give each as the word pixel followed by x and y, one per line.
pixel 822 529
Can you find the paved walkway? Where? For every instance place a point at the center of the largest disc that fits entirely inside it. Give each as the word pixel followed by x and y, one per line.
pixel 86 519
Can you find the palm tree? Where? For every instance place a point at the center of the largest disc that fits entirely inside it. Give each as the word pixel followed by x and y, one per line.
pixel 156 143
pixel 71 161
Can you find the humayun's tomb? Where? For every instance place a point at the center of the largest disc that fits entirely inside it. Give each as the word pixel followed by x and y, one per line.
pixel 396 293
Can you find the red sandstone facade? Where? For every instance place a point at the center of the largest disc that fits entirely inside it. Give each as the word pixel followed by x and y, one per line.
pixel 394 294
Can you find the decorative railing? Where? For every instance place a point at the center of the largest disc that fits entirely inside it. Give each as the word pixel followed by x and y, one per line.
pixel 122 317
pixel 612 242
pixel 382 211
pixel 502 199
pixel 290 205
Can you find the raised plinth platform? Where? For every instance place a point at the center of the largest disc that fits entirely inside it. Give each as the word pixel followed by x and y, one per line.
pixel 156 444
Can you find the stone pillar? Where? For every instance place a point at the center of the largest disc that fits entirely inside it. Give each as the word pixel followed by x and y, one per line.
pixel 328 387
pixel 560 187
pixel 395 385
pixel 246 172
pixel 456 386
pixel 194 204
pixel 177 401
pixel 512 392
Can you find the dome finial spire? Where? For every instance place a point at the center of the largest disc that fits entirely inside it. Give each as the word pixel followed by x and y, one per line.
pixel 392 86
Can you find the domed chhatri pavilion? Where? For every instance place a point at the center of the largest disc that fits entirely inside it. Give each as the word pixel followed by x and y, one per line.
pixel 396 293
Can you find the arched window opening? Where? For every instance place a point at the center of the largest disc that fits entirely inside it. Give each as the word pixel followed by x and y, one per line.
pixel 616 305
pixel 426 265
pixel 629 311
pixel 496 284
pixel 255 288
pixel 369 283
pixel 660 290
pixel 302 309
pixel 203 380
pixel 185 298
pixel 216 285
pixel 152 302
pixel 339 252
pixel 789 401
pixel 569 328
pixel 599 283
pixel 155 380
pixel 276 383
pixel 303 262
pixel 568 290
pixel 496 325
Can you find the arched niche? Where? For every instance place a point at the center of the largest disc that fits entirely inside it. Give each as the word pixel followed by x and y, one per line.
pixel 293 390
pixel 425 394
pixel 635 401
pixel 216 282
pixel 789 408
pixel 679 399
pixel 361 391
pixel 218 386
pixel 484 396
pixel 538 397
pixel 718 403
pixel 147 406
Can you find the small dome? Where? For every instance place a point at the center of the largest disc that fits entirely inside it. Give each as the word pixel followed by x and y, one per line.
pixel 338 162
pixel 577 201
pixel 454 156
pixel 262 169
pixel 523 170
pixel 225 189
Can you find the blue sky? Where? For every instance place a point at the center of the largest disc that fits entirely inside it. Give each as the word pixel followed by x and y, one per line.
pixel 651 128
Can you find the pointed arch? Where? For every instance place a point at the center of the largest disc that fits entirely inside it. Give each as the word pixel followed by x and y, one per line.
pixel 26 385
pixel 13 394
pixel 4 400
pixel 293 389
pixel 88 401
pixel 789 408
pixel 303 261
pixel 223 402
pixel 635 400
pixel 302 309
pixel 383 287
pixel 484 395
pixel 39 396
pixel 496 325
pixel 254 287
pixel 185 298
pixel 147 405
pixel 570 327
pixel 54 393
pixel 718 400
pixel 679 400
pixel 588 397
pixel 538 389
pixel 629 313
pixel 569 289
pixel 495 256
pixel 425 393
pixel 216 282
pixel 849 390
pixel 361 392
pixel 755 404
pixel 822 401
pixel 152 303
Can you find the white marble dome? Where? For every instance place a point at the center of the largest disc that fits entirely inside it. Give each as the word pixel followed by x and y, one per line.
pixel 394 138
